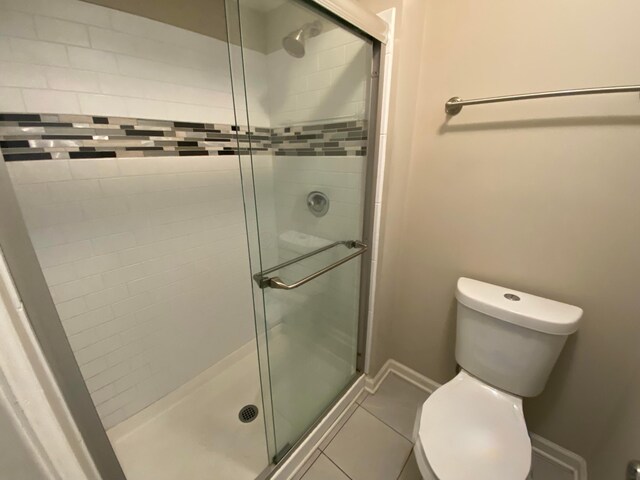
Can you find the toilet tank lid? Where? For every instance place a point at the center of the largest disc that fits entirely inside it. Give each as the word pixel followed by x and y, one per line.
pixel 528 311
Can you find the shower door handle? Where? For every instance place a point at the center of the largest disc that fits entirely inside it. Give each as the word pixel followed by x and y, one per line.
pixel 277 283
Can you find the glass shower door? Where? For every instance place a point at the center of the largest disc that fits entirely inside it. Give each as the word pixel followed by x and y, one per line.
pixel 305 99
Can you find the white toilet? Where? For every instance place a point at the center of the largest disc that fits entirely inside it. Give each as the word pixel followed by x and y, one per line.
pixel 507 342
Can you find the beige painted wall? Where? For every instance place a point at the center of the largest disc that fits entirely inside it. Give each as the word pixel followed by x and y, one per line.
pixel 410 15
pixel 621 441
pixel 540 196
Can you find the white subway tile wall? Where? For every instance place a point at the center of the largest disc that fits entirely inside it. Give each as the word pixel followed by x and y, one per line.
pixel 340 178
pixel 147 267
pixel 146 258
pixel 328 83
pixel 68 56
pixel 11 99
pixel 146 261
pixel 327 308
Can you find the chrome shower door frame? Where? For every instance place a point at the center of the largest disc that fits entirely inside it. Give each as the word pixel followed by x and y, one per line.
pixel 370 193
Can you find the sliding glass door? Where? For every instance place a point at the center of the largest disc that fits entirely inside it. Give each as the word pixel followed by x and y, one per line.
pixel 142 151
pixel 302 85
pixel 122 220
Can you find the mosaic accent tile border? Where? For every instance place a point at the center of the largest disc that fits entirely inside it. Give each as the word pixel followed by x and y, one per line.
pixel 46 136
pixel 27 136
pixel 341 138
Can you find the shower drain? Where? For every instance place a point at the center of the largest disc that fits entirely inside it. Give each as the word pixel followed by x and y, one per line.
pixel 248 413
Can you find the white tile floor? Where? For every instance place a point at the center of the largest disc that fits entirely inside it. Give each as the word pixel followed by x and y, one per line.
pixel 195 432
pixel 372 441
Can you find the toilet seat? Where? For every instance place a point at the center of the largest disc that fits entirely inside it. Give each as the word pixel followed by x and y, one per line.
pixel 469 429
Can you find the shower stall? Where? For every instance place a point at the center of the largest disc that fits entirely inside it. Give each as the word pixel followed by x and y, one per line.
pixel 186 208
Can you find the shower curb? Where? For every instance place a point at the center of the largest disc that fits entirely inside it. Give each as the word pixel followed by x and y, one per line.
pixel 297 458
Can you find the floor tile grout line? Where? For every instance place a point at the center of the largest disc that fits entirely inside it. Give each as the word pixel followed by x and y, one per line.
pixel 378 418
pixel 340 429
pixel 337 466
pixel 404 465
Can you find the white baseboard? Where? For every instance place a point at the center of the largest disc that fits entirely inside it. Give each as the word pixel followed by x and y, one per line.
pixel 408 374
pixel 541 446
pixel 290 466
pixel 560 456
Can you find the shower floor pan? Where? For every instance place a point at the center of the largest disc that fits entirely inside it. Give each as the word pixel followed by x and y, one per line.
pixel 194 432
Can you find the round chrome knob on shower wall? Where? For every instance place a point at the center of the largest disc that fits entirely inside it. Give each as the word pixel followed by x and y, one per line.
pixel 318 203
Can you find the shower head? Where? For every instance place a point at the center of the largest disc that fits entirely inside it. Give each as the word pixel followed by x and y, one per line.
pixel 294 42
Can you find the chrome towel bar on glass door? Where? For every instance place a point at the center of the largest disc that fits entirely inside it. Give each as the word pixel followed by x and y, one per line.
pixel 455 104
pixel 276 282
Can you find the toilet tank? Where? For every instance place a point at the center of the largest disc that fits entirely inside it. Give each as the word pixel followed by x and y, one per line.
pixel 510 339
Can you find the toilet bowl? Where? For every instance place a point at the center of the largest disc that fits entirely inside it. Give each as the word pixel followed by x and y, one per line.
pixel 507 343
pixel 467 425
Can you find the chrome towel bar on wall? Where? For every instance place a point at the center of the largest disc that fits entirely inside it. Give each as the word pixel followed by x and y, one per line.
pixel 454 105
pixel 265 281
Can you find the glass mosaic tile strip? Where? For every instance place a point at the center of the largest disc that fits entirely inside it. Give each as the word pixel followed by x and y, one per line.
pixel 32 136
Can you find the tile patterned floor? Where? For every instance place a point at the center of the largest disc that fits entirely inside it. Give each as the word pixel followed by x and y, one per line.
pixel 373 440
